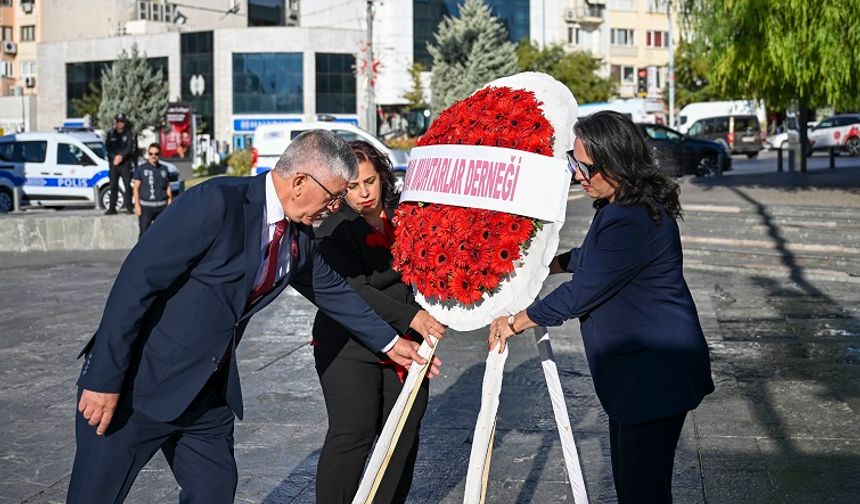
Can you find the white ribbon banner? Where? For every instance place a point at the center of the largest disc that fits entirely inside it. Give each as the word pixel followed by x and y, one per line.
pixel 492 178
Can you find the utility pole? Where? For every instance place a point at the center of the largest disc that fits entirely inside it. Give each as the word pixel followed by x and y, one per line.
pixel 371 71
pixel 671 65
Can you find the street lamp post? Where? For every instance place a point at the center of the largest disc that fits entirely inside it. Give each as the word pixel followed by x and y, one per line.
pixel 371 102
pixel 671 65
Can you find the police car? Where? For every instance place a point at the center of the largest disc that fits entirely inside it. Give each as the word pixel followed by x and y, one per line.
pixel 65 169
pixel 270 141
pixel 11 180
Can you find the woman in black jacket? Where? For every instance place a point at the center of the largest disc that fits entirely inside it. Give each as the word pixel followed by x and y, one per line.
pixel 359 385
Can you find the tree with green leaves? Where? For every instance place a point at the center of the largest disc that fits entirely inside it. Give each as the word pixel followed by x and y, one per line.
pixel 415 95
pixel 796 52
pixel 692 75
pixel 576 70
pixel 469 51
pixel 131 86
pixel 88 105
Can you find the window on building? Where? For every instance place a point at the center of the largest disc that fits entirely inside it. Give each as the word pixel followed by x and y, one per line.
pixel 149 10
pixel 621 37
pixel 265 12
pixel 28 68
pixel 585 38
pixel 656 38
pixel 657 5
pixel 6 69
pixel 622 74
pixel 335 83
pixel 86 77
pixel 571 35
pixel 7 33
pixel 5 3
pixel 622 5
pixel 267 83
pixel 28 33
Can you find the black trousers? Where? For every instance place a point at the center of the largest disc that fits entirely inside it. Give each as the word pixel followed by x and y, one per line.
pixel 147 217
pixel 198 447
pixel 643 456
pixel 359 396
pixel 114 173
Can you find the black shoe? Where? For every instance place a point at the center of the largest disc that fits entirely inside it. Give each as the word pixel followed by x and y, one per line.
pixel 110 211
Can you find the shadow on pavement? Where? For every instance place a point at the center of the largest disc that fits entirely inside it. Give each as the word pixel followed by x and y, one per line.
pixel 843 178
pixel 794 368
pixel 520 473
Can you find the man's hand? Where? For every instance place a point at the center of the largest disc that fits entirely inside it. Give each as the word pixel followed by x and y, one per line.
pixel 137 210
pixel 117 159
pixel 98 409
pixel 426 325
pixel 404 352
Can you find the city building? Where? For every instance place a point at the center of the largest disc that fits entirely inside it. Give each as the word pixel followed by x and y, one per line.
pixel 20 32
pixel 240 63
pixel 239 66
pixel 628 36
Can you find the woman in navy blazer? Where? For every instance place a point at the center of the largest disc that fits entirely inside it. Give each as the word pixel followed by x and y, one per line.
pixel 643 341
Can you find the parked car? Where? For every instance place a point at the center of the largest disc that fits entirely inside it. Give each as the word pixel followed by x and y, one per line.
pixel 782 140
pixel 839 132
pixel 270 140
pixel 682 155
pixel 739 134
pixel 66 169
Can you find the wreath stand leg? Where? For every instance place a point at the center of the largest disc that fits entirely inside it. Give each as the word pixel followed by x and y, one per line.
pixel 562 418
pixel 387 441
pixel 485 428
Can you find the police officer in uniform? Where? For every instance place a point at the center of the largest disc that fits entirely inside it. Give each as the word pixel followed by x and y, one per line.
pixel 120 148
pixel 151 187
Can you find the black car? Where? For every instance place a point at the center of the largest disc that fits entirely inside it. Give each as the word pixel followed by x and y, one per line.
pixel 683 155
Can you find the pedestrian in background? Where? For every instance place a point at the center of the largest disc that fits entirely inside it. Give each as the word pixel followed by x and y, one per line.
pixel 120 147
pixel 640 328
pixel 151 188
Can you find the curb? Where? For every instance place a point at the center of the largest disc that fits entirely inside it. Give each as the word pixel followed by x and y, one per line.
pixel 52 233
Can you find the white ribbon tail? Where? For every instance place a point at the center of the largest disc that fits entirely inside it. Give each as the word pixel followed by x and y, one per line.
pixel 393 426
pixel 479 460
pixel 562 419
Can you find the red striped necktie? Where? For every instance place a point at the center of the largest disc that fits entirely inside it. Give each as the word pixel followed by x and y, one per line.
pixel 272 253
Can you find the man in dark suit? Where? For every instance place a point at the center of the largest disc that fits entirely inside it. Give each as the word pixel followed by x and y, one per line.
pixel 161 371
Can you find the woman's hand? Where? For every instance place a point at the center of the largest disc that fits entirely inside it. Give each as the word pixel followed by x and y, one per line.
pixel 426 325
pixel 555 266
pixel 501 330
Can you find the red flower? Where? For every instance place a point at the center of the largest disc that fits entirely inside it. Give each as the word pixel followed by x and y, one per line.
pixel 460 253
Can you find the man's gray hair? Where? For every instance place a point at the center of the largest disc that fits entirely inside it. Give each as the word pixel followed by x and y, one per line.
pixel 321 153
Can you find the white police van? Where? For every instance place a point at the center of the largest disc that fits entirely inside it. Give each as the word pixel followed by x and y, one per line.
pixel 65 169
pixel 270 140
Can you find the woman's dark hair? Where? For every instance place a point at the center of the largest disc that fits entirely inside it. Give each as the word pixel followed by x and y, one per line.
pixel 366 152
pixel 621 155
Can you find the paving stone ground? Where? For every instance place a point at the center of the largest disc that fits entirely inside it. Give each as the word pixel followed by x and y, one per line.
pixel 782 322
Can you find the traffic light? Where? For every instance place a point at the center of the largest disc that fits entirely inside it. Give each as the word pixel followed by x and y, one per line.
pixel 642 82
